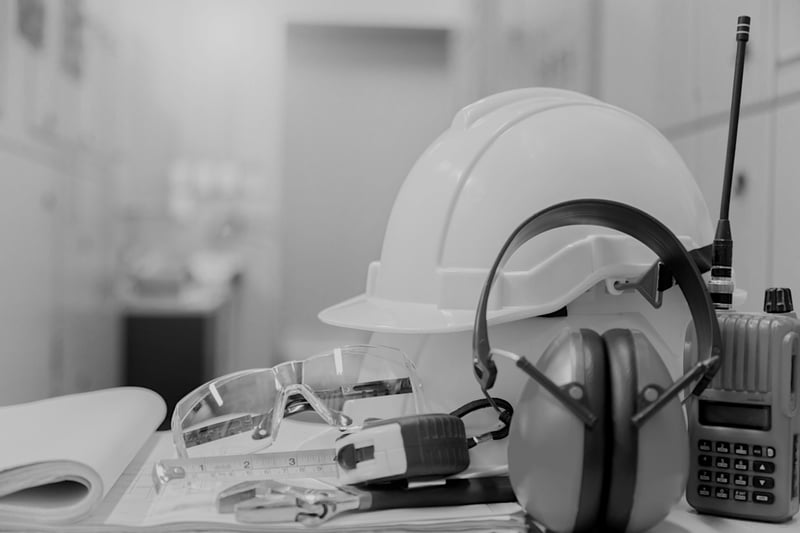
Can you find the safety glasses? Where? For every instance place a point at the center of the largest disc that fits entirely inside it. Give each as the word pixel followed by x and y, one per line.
pixel 241 413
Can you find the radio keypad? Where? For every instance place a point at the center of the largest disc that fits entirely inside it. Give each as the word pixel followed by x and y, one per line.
pixel 770 452
pixel 716 460
pixel 763 482
pixel 721 493
pixel 764 467
pixel 764 497
pixel 741 449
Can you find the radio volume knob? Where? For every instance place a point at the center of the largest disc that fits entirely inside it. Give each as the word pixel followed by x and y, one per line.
pixel 778 300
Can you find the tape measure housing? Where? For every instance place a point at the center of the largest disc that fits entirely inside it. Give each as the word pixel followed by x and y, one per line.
pixel 416 447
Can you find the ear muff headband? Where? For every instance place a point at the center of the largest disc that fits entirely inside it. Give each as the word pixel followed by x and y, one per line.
pixel 650 232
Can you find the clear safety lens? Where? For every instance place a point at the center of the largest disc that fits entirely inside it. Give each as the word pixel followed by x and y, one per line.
pixel 241 413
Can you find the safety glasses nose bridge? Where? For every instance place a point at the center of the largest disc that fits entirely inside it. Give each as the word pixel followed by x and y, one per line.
pixel 293 399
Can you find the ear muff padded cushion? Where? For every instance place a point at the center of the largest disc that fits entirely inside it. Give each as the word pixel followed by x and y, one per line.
pixel 625 443
pixel 595 439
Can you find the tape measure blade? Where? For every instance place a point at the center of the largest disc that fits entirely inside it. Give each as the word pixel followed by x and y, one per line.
pixel 163 473
pixel 303 463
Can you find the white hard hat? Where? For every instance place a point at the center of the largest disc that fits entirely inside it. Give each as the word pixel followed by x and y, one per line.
pixel 504 158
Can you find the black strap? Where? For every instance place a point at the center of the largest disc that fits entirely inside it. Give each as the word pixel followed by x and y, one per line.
pixel 506 412
pixel 492 489
pixel 701 257
pixel 635 223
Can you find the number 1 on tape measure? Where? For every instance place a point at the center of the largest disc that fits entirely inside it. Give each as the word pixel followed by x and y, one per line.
pixel 319 464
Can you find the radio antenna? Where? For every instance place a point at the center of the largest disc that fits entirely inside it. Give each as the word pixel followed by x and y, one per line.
pixel 721 284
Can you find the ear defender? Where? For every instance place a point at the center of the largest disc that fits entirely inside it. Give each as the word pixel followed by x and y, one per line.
pixel 598 441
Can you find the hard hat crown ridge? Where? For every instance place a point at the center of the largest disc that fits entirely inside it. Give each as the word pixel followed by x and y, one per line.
pixel 503 158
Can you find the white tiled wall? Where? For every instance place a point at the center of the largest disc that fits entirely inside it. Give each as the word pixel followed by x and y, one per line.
pixel 691 104
pixel 672 63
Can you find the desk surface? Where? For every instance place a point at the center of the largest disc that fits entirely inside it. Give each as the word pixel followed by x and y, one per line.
pixel 684 519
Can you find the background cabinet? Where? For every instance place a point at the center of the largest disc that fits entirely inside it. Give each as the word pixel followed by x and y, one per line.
pixel 169 353
pixel 174 344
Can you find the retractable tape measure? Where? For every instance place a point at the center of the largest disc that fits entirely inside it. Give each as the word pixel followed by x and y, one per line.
pixel 415 447
pixel 412 447
pixel 319 464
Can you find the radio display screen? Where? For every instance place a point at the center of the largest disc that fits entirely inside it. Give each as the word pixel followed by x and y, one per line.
pixel 735 415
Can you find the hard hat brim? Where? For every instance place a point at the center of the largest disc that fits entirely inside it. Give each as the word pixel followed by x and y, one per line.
pixel 378 315
pixel 385 316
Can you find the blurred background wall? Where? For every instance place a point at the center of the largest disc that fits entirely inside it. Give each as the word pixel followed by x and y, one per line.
pixel 225 169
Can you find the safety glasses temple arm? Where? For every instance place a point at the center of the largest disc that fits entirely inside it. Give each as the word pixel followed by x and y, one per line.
pixel 367 389
pixel 381 387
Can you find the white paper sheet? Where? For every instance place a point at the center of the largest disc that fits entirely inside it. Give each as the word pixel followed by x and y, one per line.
pixel 86 438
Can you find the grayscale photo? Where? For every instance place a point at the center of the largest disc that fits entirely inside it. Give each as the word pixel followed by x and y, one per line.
pixel 498 266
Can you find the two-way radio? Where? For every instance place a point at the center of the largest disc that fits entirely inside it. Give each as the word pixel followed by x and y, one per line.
pixel 743 429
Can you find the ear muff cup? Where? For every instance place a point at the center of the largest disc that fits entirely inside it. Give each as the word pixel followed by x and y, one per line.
pixel 595 442
pixel 624 448
pixel 555 446
pixel 611 446
pixel 662 458
pixel 625 478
